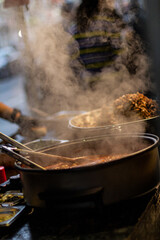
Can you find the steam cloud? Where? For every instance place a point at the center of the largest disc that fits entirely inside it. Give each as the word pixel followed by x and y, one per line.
pixel 51 73
pixel 52 85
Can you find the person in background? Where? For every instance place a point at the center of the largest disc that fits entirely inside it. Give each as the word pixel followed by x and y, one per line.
pixel 98 38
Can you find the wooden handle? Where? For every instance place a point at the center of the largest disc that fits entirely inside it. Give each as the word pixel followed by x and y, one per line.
pixel 9 113
pixel 14 115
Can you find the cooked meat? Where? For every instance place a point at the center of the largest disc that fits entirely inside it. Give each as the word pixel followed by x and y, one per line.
pixel 126 108
pixel 129 104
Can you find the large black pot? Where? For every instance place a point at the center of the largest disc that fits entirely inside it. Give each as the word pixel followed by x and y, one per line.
pixel 113 181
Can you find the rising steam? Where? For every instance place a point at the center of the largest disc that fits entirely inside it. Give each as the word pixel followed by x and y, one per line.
pixel 52 85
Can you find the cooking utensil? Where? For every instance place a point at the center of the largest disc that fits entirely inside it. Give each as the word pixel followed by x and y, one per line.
pixel 40 145
pixel 62 115
pixel 20 158
pixel 113 181
pixel 25 122
pixel 36 145
pixel 57 122
pixel 13 142
pixel 51 160
pixel 77 125
pixel 78 121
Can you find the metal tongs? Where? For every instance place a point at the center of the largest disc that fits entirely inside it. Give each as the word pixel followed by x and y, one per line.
pixel 52 159
pixel 11 151
pixel 13 142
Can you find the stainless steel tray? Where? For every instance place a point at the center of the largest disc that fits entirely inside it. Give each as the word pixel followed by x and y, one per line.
pixel 9 214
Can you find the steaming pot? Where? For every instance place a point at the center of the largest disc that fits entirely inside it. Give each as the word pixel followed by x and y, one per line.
pixel 131 176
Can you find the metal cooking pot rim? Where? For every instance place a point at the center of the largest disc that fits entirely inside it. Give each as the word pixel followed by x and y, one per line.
pixel 148 136
pixel 42 144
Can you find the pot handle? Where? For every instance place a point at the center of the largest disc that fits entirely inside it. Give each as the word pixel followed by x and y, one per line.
pixel 66 198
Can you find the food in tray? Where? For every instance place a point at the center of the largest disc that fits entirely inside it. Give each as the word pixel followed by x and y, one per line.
pixel 9 214
pixel 5 216
pixel 11 198
pixel 129 107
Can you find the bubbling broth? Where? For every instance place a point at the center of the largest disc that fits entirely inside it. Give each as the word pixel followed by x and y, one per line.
pixel 89 152
pixel 95 152
pixel 86 161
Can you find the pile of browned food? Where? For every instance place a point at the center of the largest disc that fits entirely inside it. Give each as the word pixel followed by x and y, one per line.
pixel 127 108
pixel 141 106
